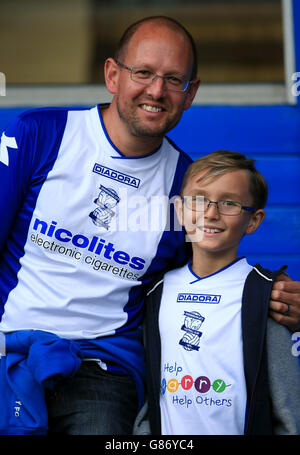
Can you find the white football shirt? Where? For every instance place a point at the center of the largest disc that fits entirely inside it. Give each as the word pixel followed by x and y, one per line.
pixel 203 388
pixel 81 232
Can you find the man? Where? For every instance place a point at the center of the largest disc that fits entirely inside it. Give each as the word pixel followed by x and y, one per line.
pixel 69 266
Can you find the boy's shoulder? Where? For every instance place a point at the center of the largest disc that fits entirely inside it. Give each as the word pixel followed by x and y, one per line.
pixel 174 275
pixel 171 277
pixel 240 269
pixel 260 273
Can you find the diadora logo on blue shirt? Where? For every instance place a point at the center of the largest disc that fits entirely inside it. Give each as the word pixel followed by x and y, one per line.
pixel 94 245
pixel 116 175
pixel 198 298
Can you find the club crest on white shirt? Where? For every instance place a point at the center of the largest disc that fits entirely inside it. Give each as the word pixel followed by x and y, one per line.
pixel 106 200
pixel 192 323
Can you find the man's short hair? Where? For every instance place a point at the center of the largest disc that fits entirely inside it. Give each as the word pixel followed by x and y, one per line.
pixel 223 161
pixel 163 20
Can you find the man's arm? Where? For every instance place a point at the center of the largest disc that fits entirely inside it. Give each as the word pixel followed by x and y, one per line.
pixel 28 149
pixel 284 380
pixel 285 302
pixel 17 156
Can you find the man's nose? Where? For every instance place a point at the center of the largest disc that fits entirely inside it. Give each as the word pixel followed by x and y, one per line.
pixel 157 88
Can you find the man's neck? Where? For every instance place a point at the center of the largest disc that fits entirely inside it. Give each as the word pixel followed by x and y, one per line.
pixel 129 145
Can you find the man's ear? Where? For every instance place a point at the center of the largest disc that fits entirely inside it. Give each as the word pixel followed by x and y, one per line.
pixel 111 74
pixel 192 90
pixel 255 221
pixel 178 204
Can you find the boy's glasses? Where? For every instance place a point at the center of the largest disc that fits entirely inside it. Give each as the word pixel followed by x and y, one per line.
pixel 173 82
pixel 202 204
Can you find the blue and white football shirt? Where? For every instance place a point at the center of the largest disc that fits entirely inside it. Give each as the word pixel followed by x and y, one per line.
pixel 76 236
pixel 203 389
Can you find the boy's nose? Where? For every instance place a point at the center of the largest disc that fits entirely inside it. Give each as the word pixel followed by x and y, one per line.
pixel 212 211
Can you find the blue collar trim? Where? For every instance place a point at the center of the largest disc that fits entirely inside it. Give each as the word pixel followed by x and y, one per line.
pixel 215 273
pixel 121 155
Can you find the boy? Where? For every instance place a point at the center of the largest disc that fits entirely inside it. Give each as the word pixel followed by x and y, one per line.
pixel 211 369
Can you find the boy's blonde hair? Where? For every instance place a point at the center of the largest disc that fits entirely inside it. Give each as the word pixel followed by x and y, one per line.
pixel 223 161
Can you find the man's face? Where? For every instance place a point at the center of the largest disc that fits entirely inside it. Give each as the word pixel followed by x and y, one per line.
pixel 210 230
pixel 152 110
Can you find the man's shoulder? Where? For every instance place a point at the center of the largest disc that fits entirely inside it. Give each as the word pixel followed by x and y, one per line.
pixel 42 121
pixel 184 157
pixel 48 113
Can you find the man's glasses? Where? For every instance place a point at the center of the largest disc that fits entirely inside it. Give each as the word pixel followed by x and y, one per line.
pixel 174 82
pixel 202 204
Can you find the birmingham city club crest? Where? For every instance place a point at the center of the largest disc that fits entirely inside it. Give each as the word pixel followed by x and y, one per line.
pixel 106 201
pixel 192 323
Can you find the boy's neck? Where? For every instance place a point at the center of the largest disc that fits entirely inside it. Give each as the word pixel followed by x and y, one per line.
pixel 206 263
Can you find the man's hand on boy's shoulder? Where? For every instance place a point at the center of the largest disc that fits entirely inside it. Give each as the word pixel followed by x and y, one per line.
pixel 285 302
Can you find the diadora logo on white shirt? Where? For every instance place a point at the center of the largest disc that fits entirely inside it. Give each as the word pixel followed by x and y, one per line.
pixel 116 175
pixel 198 298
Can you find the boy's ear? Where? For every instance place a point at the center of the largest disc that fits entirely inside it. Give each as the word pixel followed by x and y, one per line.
pixel 256 219
pixel 178 204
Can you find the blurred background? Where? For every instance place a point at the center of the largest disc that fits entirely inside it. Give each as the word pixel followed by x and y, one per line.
pixel 52 53
pixel 67 41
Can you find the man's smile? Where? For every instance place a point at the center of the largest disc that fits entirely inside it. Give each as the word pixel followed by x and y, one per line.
pixel 149 108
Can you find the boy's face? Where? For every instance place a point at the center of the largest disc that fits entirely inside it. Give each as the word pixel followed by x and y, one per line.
pixel 210 230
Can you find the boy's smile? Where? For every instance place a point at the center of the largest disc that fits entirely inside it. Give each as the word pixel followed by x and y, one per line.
pixel 214 234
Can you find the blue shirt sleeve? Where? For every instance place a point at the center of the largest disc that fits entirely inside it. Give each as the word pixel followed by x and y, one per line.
pixel 16 158
pixel 29 148
pixel 28 151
